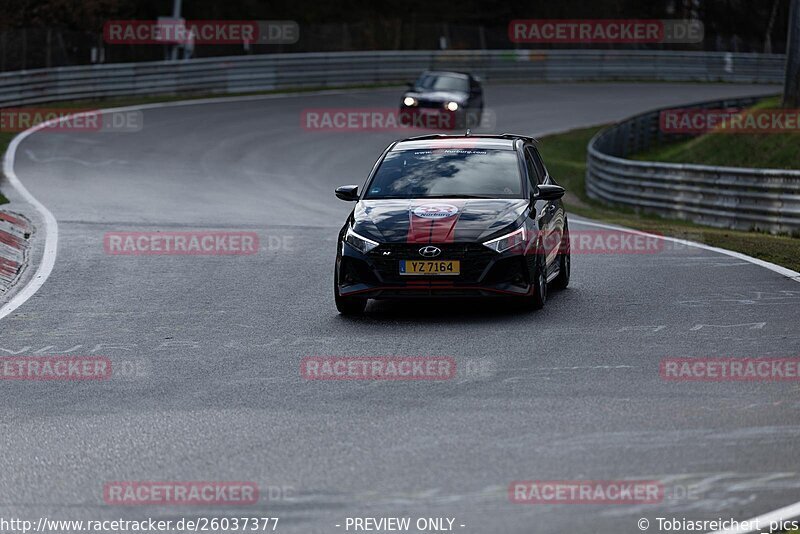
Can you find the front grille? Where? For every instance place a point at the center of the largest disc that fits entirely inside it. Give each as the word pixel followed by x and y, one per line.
pixel 474 259
pixel 430 105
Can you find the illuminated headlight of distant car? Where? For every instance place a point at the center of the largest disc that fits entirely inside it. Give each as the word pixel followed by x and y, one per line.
pixel 451 106
pixel 359 242
pixel 409 101
pixel 508 241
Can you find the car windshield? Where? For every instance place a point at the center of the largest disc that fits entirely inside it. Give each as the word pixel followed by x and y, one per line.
pixel 447 173
pixel 436 82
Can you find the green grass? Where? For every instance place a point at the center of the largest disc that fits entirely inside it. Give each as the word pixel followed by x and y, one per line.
pixel 765 150
pixel 5 139
pixel 565 155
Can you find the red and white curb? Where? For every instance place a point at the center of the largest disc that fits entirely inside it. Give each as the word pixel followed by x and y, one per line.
pixel 14 234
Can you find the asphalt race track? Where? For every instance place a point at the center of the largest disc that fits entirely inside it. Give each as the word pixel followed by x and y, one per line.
pixel 570 392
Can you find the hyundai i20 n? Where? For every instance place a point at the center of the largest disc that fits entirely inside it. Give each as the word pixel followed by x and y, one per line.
pixel 453 216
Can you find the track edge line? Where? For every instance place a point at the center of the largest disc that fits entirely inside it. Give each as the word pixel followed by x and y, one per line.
pixel 783 271
pixel 50 226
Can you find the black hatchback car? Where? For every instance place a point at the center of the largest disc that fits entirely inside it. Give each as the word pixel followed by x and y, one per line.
pixel 444 100
pixel 453 216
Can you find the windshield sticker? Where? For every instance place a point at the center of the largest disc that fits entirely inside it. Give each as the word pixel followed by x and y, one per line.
pixel 450 151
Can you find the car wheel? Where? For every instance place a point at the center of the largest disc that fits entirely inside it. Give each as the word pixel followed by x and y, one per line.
pixel 564 262
pixel 539 297
pixel 347 305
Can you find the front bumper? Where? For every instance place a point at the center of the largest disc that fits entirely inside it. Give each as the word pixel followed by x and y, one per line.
pixel 484 273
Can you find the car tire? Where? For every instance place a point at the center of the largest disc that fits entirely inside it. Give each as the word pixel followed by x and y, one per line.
pixel 537 300
pixel 564 262
pixel 347 305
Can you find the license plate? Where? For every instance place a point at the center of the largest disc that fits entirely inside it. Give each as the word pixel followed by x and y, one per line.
pixel 427 267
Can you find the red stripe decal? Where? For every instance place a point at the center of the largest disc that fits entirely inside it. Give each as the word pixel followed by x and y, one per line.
pixel 434 222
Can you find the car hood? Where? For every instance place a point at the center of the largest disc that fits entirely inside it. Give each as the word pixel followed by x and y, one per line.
pixel 435 220
pixel 438 96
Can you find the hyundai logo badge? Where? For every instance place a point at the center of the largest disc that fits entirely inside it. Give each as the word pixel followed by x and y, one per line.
pixel 430 252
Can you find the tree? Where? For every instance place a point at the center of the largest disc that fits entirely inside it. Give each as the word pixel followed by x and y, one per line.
pixel 791 88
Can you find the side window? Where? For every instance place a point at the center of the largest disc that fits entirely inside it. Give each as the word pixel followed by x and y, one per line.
pixel 535 168
pixel 537 160
pixel 474 86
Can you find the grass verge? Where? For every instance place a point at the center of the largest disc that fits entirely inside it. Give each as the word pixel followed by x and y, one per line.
pixel 762 150
pixel 5 139
pixel 565 155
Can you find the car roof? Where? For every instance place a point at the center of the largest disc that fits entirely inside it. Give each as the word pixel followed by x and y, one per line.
pixel 504 141
pixel 447 73
pixel 455 142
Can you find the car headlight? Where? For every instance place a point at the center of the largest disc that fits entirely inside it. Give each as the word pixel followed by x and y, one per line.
pixel 508 241
pixel 409 101
pixel 451 106
pixel 359 242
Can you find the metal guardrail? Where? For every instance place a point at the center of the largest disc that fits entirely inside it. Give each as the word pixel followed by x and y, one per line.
pixel 729 197
pixel 280 71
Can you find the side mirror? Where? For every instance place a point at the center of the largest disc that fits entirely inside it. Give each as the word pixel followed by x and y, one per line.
pixel 549 192
pixel 410 85
pixel 347 192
